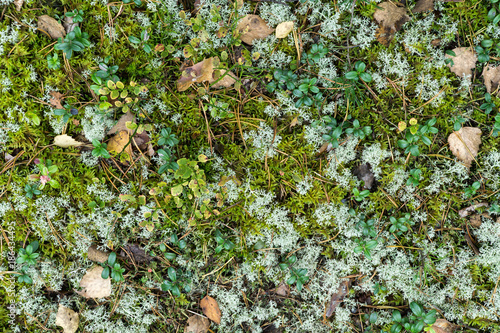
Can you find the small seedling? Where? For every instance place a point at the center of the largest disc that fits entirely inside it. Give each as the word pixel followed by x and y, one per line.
pixel 359 73
pixel 75 41
pixel 167 137
pixel 415 322
pixel 166 156
pixel 32 190
pixel 66 113
pixel 53 61
pixel 449 61
pixel 28 256
pixel 111 266
pixel 359 196
pixel 141 42
pixel 176 283
pixel 223 243
pixel 76 14
pixel 471 190
pixel 401 224
pixel 414 178
pixel 365 247
pixel 488 104
pixel 358 131
pixel 298 276
pixel 47 171
pixel 100 149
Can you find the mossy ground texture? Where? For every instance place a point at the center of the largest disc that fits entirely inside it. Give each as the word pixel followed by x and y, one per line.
pixel 315 191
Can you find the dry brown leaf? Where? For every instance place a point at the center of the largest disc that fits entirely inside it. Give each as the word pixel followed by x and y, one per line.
pixel 51 26
pixel 283 290
pixel 67 319
pixel 464 144
pixel 94 286
pixel 96 255
pixel 384 35
pixel 227 80
pixel 294 122
pixel 66 141
pixel 465 212
pixel 475 220
pixel 444 326
pixel 68 24
pixel 423 6
pixel 283 29
pixel 391 16
pixel 119 142
pixel 253 27
pixel 19 4
pixel 210 309
pixel 151 151
pixel 200 72
pixel 338 297
pixel 56 99
pixel 197 324
pixel 491 77
pixel 464 61
pixel 120 125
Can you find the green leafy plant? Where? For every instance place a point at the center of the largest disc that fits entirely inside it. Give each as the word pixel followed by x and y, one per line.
pixel 116 94
pixel 379 288
pixel 359 73
pixel 53 61
pixel 175 283
pixel 66 113
pixel 360 195
pixel 365 247
pixel 493 16
pixel 417 133
pixel 142 41
pixel 367 227
pixel 47 171
pixel 488 104
pixel 483 51
pixel 415 322
pixel 222 242
pixel 414 178
pixel 29 255
pixel 100 149
pixel 471 190
pixel 449 61
pixel 106 72
pixel 496 126
pixel 372 319
pixel 298 276
pixel 111 267
pixel 31 190
pixel 169 163
pixel 284 79
pixel 167 137
pixel 307 87
pixel 332 128
pixel 400 224
pixel 316 52
pixel 358 131
pixel 75 41
pixel 457 122
pixel 136 2
pixel 181 244
pixel 76 14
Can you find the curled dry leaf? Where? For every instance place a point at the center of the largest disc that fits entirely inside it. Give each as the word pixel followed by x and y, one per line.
pixel 56 99
pixel 466 211
pixel 94 286
pixel 197 324
pixel 283 290
pixel 119 142
pixel 68 24
pixel 391 16
pixel 464 61
pixel 50 25
pixel 211 309
pixel 338 297
pixel 253 27
pixel 283 29
pixel 444 326
pixel 66 141
pixel 205 71
pixel 475 220
pixel 120 125
pixel 384 35
pixel 97 255
pixel 423 6
pixel 19 4
pixel 491 77
pixel 67 319
pixel 465 143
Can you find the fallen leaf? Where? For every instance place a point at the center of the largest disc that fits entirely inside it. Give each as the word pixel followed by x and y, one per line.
pixel 119 142
pixel 436 42
pixel 423 6
pixel 443 326
pixel 475 220
pixel 68 24
pixel 67 319
pixel 210 309
pixel 120 125
pixel 199 72
pixel 283 29
pixel 391 16
pixel 97 255
pixel 51 26
pixel 283 290
pixel 19 4
pixel 384 35
pixel 66 141
pixel 364 173
pixel 338 297
pixel 227 79
pixel 465 212
pixel 253 27
pixel 94 286
pixel 464 61
pixel 136 253
pixel 464 144
pixel 56 99
pixel 197 324
pixel 491 77
pixel 294 122
pixel 151 151
pixel 141 140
